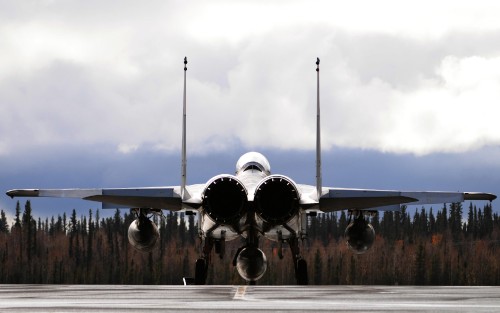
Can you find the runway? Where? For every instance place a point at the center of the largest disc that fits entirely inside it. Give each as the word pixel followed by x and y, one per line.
pixel 119 298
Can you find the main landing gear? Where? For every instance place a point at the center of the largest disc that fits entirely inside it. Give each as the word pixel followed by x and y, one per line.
pixel 249 260
pixel 201 267
pixel 299 263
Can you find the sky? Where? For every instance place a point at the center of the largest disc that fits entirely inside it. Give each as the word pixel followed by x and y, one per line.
pixel 91 93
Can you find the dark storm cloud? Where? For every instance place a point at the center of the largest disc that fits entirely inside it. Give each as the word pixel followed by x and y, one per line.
pixel 91 92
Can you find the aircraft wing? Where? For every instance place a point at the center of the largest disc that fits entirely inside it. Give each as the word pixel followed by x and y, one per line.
pixel 167 198
pixel 382 200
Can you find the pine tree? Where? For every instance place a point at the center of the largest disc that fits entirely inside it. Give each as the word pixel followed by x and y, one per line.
pixel 435 270
pixel 17 223
pixel 432 222
pixel 443 221
pixel 318 265
pixel 86 253
pixel 488 220
pixel 182 229
pixel 72 233
pixel 28 229
pixel 455 220
pixel 4 225
pixel 333 225
pixel 420 266
pixel 193 229
pixel 471 225
pixel 342 224
pixel 387 226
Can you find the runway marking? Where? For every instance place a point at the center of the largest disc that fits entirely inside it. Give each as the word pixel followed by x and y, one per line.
pixel 240 293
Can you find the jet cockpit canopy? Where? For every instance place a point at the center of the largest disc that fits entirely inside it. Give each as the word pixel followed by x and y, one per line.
pixel 253 161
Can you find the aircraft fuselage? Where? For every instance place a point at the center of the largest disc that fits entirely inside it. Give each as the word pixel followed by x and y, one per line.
pixel 260 204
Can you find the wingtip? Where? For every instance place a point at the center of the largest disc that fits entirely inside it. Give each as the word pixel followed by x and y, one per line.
pixel 23 193
pixel 11 193
pixel 479 196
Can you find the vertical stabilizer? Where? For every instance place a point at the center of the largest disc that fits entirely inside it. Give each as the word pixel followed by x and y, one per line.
pixel 184 160
pixel 318 136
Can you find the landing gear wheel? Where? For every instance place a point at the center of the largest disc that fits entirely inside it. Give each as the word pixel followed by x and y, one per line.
pixel 301 272
pixel 200 273
pixel 299 263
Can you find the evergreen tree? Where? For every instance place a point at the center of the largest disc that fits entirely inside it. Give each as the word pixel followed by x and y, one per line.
pixel 312 229
pixel 471 223
pixel 59 224
pixel 318 268
pixel 404 220
pixel 28 229
pixel 324 232
pixel 387 226
pixel 90 240
pixel 73 224
pixel 432 222
pixel 420 253
pixel 64 223
pixel 182 229
pixel 342 224
pixel 4 225
pixel 17 223
pixel 435 270
pixel 455 220
pixel 420 266
pixel 333 226
pixel 97 220
pixel 193 229
pixel 443 219
pixel 52 227
pixel 488 220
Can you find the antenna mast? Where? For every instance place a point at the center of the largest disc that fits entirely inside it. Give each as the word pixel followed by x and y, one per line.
pixel 184 161
pixel 318 137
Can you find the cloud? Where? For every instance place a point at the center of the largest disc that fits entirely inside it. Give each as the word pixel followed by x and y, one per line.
pixel 127 148
pixel 236 22
pixel 454 112
pixel 75 75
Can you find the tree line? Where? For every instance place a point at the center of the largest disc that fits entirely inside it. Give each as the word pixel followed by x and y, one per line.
pixel 412 248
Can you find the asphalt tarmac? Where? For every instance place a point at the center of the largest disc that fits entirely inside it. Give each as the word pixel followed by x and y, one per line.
pixel 119 298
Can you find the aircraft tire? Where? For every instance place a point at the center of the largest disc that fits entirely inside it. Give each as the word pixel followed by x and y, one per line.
pixel 301 273
pixel 200 274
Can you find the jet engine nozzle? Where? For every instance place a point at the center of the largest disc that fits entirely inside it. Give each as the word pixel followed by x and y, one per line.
pixel 224 199
pixel 251 263
pixel 359 235
pixel 276 199
pixel 143 234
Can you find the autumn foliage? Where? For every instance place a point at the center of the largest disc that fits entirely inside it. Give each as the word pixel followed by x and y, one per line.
pixel 417 248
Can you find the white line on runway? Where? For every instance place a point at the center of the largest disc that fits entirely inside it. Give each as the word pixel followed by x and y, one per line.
pixel 240 293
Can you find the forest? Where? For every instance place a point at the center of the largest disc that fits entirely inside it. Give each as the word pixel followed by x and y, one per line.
pixel 446 246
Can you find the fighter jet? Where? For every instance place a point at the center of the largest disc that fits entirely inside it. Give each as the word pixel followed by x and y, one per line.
pixel 253 204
